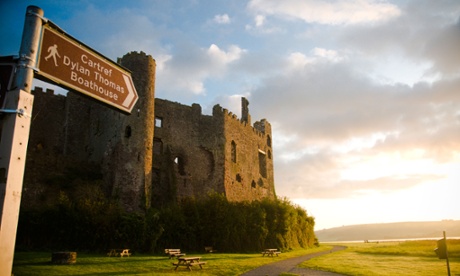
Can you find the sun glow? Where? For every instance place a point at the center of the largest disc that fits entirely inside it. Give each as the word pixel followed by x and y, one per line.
pixel 392 164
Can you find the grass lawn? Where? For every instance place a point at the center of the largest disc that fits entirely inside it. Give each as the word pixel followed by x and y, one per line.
pixel 384 258
pixel 389 258
pixel 38 263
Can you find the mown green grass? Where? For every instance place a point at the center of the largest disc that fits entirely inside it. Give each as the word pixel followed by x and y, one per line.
pixel 385 258
pixel 38 263
pixel 389 258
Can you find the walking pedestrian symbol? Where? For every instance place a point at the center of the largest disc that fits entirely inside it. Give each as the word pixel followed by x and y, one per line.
pixel 53 52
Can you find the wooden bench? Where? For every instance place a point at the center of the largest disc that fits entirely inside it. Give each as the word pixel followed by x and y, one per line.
pixel 209 249
pixel 188 262
pixel 271 252
pixel 116 252
pixel 112 253
pixel 125 252
pixel 174 253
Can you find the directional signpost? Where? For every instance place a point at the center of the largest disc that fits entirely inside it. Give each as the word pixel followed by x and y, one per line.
pixel 67 62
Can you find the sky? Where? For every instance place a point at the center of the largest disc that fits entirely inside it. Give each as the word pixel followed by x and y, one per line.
pixel 363 95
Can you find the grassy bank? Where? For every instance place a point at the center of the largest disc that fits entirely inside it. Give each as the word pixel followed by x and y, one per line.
pixel 38 263
pixel 389 258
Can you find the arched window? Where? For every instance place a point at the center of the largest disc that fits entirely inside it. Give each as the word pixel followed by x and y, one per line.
pixel 262 164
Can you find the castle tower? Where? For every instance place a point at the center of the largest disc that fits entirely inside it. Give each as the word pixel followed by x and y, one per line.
pixel 129 154
pixel 77 133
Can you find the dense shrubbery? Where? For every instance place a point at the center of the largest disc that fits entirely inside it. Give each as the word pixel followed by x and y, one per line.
pixel 96 224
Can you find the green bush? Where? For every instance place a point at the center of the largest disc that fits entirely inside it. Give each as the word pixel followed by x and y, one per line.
pixel 90 222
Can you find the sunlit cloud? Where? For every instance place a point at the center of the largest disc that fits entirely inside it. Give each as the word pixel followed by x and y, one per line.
pixel 222 57
pixel 327 12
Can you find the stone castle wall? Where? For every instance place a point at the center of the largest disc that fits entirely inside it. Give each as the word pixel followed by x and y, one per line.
pixel 163 152
pixel 187 155
pixel 206 154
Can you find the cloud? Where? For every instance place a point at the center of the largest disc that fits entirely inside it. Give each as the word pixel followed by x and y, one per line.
pixel 297 60
pixel 187 70
pixel 222 57
pixel 424 33
pixel 327 12
pixel 259 20
pixel 222 19
pixel 331 117
pixel 442 49
pixel 261 26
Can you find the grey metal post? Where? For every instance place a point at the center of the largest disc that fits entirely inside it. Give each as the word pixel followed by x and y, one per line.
pixel 16 119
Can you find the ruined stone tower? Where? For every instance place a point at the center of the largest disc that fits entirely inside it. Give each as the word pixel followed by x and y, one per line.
pixel 128 159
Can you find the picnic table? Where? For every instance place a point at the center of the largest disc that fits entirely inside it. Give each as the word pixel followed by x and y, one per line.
pixel 188 262
pixel 271 252
pixel 174 253
pixel 118 252
pixel 209 249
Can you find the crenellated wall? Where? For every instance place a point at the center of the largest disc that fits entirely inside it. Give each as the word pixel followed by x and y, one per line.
pixel 161 153
pixel 203 149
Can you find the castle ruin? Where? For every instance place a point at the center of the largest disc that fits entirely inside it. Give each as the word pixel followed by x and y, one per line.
pixel 163 152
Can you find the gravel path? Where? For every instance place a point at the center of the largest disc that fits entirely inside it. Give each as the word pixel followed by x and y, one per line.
pixel 290 266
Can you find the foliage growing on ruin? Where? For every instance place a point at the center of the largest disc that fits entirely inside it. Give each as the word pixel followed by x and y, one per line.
pixel 96 224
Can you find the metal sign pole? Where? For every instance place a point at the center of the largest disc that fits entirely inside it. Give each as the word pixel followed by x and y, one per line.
pixel 16 118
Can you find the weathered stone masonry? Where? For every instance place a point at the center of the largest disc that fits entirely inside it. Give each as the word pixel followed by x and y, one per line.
pixel 195 154
pixel 162 152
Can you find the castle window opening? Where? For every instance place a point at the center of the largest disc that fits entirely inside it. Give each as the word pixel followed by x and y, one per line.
pixel 180 165
pixel 260 182
pixel 157 146
pixel 158 122
pixel 253 184
pixel 269 141
pixel 262 164
pixel 128 131
pixel 238 178
pixel 233 151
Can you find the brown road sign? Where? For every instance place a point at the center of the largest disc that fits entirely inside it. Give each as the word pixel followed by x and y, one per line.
pixel 67 62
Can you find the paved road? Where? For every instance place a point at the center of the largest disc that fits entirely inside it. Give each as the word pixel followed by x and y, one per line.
pixel 290 266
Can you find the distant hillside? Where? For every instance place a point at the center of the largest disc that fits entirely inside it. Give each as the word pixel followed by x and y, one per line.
pixel 383 231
